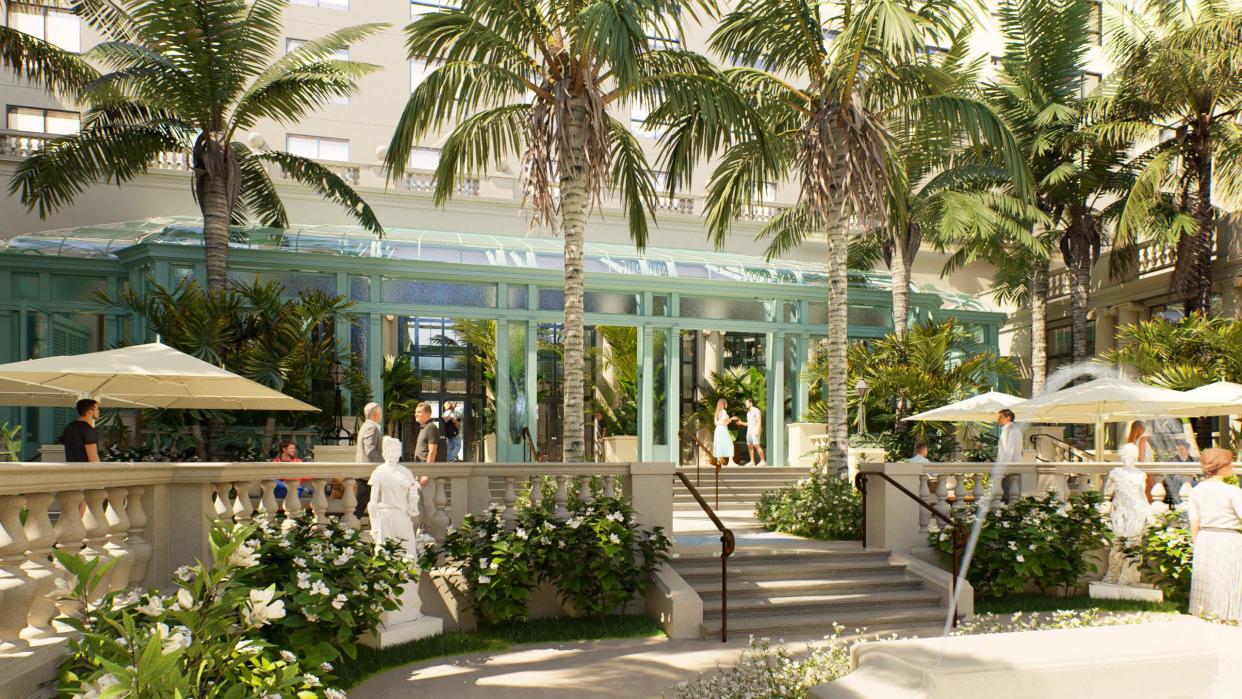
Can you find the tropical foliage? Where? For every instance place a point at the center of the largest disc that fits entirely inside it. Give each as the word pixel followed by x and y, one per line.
pixel 1187 354
pixel 536 80
pixel 617 393
pixel 1166 551
pixel 820 506
pixel 187 78
pixel 1042 542
pixel 734 385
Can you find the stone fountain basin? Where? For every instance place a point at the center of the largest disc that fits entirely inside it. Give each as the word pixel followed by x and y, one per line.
pixel 1181 659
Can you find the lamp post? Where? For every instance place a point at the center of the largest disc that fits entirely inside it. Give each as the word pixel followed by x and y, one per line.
pixel 338 433
pixel 861 387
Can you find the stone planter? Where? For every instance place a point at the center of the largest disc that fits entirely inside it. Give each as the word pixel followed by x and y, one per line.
pixel 801 450
pixel 863 455
pixel 334 454
pixel 621 449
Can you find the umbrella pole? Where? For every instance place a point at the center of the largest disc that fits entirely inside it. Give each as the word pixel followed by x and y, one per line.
pixel 1099 438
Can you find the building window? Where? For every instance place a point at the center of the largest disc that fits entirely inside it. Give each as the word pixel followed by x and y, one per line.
pixel 1090 81
pixel 317 148
pixel 1095 23
pixel 292 44
pixel 766 192
pixel 639 111
pixel 661 35
pixel 54 25
pixel 419 70
pixel 327 4
pixel 424 158
pixel 37 120
pixel 426 7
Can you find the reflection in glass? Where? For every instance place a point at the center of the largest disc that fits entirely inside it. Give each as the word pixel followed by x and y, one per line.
pixel 659 387
pixel 517 381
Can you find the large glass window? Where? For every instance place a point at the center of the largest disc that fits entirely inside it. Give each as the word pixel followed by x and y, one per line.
pixel 36 120
pixel 318 148
pixel 724 308
pixel 658 423
pixel 744 349
pixel 551 375
pixel 57 26
pixel 1095 23
pixel 439 293
pixel 517 382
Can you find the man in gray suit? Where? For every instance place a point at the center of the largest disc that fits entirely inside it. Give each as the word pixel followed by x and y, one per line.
pixel 370 435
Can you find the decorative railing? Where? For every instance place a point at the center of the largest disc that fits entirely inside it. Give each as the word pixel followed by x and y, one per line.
pixel 153 518
pixel 424 182
pixel 1150 258
pixel 728 544
pixel 1062 451
pixel 1058 283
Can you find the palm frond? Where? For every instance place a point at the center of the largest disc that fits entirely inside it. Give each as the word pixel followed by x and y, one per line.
pixel 326 183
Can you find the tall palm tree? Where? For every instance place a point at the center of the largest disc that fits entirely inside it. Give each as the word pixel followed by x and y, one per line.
pixel 834 76
pixel 188 76
pixel 536 79
pixel 1177 95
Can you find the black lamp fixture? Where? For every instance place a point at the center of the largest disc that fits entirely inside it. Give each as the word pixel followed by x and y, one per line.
pixel 862 387
pixel 338 434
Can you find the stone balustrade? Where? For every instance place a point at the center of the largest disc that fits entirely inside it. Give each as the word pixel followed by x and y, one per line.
pixel 152 518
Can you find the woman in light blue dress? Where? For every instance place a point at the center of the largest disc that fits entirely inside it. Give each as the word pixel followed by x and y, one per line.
pixel 722 442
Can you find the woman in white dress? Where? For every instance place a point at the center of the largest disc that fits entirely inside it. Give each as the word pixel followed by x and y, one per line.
pixel 1215 511
pixel 722 440
pixel 1138 439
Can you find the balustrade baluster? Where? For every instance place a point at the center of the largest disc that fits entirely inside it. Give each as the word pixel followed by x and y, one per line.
pixel 584 492
pixel 349 501
pixel 1158 506
pixel 224 501
pixel 959 491
pixel 1183 493
pixel 96 533
pixel 536 490
pixel 440 519
pixel 70 535
pixel 293 504
pixel 16 590
pixel 610 486
pixel 509 514
pixel 40 537
pixel 267 497
pixel 925 496
pixel 319 500
pixel 139 547
pixel 561 498
pixel 118 530
pixel 941 496
pixel 979 491
pixel 242 507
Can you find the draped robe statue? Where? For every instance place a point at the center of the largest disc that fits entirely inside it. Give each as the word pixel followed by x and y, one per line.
pixel 1129 515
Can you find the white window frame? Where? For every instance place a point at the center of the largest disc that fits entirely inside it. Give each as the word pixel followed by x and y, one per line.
pixel 319 141
pixel 42 12
pixel 46 112
pixel 432 155
pixel 338 5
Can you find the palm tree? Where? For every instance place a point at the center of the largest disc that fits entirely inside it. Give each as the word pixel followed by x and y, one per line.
pixel 187 76
pixel 536 80
pixel 835 76
pixel 1177 94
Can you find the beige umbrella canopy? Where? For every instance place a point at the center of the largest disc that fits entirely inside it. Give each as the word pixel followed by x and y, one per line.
pixel 980 408
pixel 1220 398
pixel 140 376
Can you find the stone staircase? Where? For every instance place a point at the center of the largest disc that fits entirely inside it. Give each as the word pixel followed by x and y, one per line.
pixel 783 586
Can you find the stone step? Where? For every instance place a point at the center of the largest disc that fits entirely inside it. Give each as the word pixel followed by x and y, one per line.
pixel 878 581
pixel 726 489
pixel 778 626
pixel 823 603
pixel 695 572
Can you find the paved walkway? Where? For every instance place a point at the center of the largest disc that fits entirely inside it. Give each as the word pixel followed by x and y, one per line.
pixel 630 668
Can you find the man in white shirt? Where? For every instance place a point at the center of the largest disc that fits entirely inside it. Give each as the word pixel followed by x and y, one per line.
pixel 754 430
pixel 1008 447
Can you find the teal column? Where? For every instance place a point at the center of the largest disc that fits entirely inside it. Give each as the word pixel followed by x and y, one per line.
pixel 503 394
pixel 532 382
pixel 646 384
pixel 776 403
pixel 672 398
pixel 375 356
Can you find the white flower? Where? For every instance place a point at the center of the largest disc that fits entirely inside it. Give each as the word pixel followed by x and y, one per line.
pixel 496 536
pixel 244 556
pixel 153 607
pixel 1021 558
pixel 95 689
pixel 347 552
pixel 331 693
pixel 262 608
pixel 325 666
pixel 185 599
pixel 484 562
pixel 320 588
pixel 126 598
pixel 614 538
pixel 299 562
pixel 312 618
pixel 247 646
pixel 520 533
pixel 288 657
pixel 311 681
pixel 483 580
pixel 172 640
pixel 338 602
pixel 185 573
pixel 304 581
pixel 1013 546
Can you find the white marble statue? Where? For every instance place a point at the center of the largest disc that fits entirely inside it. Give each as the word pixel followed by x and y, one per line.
pixel 393 510
pixel 1129 514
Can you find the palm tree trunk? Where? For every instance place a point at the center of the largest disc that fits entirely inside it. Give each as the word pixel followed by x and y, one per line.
pixel 575 206
pixel 1039 327
pixel 838 344
pixel 900 269
pixel 1205 223
pixel 215 207
pixel 1080 291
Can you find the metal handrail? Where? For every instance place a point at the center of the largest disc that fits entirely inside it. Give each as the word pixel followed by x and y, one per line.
pixel 1070 449
pixel 728 543
pixel 539 456
pixel 714 461
pixel 959 530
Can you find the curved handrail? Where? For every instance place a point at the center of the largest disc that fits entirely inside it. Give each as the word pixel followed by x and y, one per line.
pixel 1072 452
pixel 714 461
pixel 728 544
pixel 960 534
pixel 539 456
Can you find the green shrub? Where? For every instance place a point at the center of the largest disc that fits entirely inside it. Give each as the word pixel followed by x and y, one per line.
pixel 204 641
pixel 598 558
pixel 820 506
pixel 1031 541
pixel 336 586
pixel 1166 552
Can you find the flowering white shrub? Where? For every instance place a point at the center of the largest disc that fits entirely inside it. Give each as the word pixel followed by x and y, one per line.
pixel 1040 621
pixel 767 672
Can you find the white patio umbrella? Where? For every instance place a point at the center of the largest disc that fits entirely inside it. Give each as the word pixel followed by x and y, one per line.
pixel 980 408
pixel 1104 400
pixel 145 376
pixel 1220 398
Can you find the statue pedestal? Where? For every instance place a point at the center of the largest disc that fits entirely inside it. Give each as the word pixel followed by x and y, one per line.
pixel 404 624
pixel 1141 593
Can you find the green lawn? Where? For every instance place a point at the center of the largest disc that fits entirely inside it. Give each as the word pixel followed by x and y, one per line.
pixel 372 661
pixel 1033 602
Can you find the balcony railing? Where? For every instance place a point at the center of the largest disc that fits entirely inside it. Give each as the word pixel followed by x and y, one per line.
pixel 1151 258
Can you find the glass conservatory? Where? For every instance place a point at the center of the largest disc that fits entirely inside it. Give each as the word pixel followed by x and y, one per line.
pixel 660 322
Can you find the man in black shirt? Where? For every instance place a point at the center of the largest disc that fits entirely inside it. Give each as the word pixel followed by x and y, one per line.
pixel 81 442
pixel 431 445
